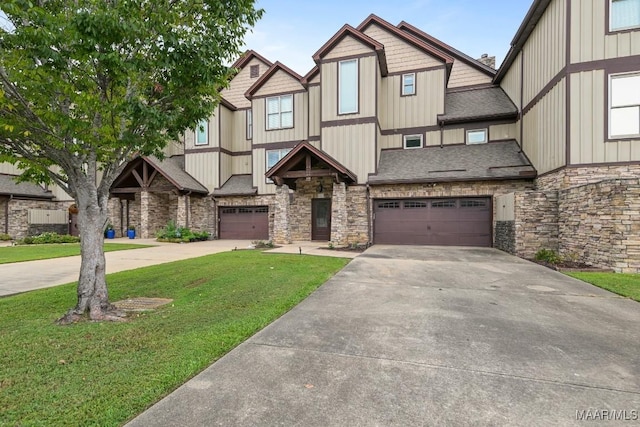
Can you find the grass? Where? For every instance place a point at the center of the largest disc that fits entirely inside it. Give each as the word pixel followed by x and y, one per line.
pixel 627 285
pixel 106 373
pixel 9 254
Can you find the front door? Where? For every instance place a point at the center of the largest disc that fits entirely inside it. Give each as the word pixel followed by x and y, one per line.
pixel 321 219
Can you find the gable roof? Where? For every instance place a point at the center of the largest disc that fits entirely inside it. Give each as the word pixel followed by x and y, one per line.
pixel 429 39
pixel 491 161
pixel 237 185
pixel 522 35
pixel 246 57
pixel 310 75
pixel 268 74
pixel 477 104
pixel 414 41
pixel 171 168
pixel 9 187
pixel 348 30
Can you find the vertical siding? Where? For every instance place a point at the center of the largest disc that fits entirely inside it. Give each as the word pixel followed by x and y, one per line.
pixel 348 46
pixel 512 80
pixel 422 109
pixel 241 82
pixel 588 109
pixel 453 136
pixel 544 52
pixel 278 83
pixel 9 169
pixel 299 131
pixel 226 167
pixel 400 54
pixel 432 138
pixel 314 110
pixel 204 168
pixel 173 148
pixel 589 41
pixel 59 193
pixel 545 130
pixel 353 146
pixel 241 165
pixel 226 128
pixel 465 75
pixel 240 141
pixel 505 207
pixel 259 169
pixel 508 131
pixel 367 90
pixel 47 216
pixel 389 141
pixel 214 137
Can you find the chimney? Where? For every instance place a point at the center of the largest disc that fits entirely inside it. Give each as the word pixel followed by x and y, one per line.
pixel 487 60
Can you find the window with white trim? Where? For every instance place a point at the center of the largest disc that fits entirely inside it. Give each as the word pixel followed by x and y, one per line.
pixel 280 112
pixel 274 156
pixel 624 14
pixel 477 136
pixel 249 121
pixel 412 141
pixel 202 132
pixel 409 84
pixel 348 86
pixel 624 105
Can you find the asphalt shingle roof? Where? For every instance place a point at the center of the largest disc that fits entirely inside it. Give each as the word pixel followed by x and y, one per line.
pixel 237 185
pixel 486 103
pixel 9 187
pixel 173 169
pixel 495 160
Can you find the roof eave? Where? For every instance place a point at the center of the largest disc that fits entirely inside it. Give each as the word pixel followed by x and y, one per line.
pixel 455 120
pixel 447 179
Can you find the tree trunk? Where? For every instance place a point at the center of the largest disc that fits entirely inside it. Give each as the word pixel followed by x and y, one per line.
pixel 93 296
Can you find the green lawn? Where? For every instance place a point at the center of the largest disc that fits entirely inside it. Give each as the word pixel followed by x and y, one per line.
pixel 627 285
pixel 106 373
pixel 22 253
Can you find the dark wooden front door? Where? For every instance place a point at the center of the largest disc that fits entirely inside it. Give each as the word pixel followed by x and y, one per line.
pixel 321 219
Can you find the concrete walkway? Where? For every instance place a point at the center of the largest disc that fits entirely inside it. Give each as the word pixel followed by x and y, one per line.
pixel 406 336
pixel 26 276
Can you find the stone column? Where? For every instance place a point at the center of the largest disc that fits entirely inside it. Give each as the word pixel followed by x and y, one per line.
pixel 181 215
pixel 339 214
pixel 281 229
pixel 145 221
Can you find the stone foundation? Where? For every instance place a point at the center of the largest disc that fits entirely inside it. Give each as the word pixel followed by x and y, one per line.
pixel 505 236
pixel 14 217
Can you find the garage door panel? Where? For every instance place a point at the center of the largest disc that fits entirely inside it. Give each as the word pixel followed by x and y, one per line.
pixel 244 223
pixel 454 221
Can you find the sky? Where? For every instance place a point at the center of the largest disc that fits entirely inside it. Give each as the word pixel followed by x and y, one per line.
pixel 292 31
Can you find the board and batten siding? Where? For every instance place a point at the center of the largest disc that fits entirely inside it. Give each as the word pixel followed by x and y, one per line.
pixel 453 136
pixel 9 169
pixel 588 110
pixel 589 38
pixel 421 109
pixel 300 121
pixel 353 146
pixel 432 138
pixel 367 67
pixel 314 110
pixel 348 46
pixel 400 54
pixel 512 80
pixel 506 131
pixel 47 216
pixel 226 166
pixel 465 75
pixel 241 83
pixel 213 133
pixel 241 165
pixel 545 130
pixel 204 168
pixel 544 51
pixel 260 168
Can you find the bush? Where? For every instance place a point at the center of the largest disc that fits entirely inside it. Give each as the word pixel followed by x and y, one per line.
pixel 261 244
pixel 5 237
pixel 171 233
pixel 48 238
pixel 548 255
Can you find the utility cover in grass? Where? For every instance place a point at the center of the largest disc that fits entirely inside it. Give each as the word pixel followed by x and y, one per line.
pixel 141 304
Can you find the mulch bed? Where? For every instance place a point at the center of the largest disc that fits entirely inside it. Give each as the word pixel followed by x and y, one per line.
pixel 572 267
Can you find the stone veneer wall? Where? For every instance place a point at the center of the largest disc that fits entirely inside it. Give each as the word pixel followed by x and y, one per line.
pixel 358 215
pixel 264 200
pixel 300 210
pixel 201 213
pixel 536 222
pixel 4 201
pixel 18 211
pixel 505 236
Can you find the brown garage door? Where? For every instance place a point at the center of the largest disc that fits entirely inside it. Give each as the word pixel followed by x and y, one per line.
pixel 447 222
pixel 244 222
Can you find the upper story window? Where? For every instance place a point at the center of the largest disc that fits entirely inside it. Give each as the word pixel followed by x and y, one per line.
pixel 624 14
pixel 348 86
pixel 249 120
pixel 274 156
pixel 624 105
pixel 412 141
pixel 254 71
pixel 477 136
pixel 280 112
pixel 409 84
pixel 202 132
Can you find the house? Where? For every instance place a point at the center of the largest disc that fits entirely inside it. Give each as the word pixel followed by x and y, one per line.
pixel 396 137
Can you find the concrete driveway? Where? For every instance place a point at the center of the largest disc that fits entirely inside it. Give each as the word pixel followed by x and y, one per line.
pixel 428 336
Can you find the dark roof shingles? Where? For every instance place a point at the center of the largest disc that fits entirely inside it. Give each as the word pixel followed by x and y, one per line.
pixel 489 102
pixel 236 185
pixel 173 169
pixel 9 187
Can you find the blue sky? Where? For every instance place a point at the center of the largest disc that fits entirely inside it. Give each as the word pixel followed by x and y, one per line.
pixel 292 31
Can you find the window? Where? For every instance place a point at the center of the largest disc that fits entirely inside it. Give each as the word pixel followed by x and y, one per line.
pixel 444 204
pixel 473 203
pixel 254 71
pixel 348 86
pixel 202 132
pixel 476 136
pixel 412 141
pixel 415 205
pixel 280 112
pixel 249 119
pixel 274 156
pixel 389 205
pixel 409 84
pixel 624 14
pixel 624 111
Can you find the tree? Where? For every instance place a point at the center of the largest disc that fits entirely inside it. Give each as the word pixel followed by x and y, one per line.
pixel 87 85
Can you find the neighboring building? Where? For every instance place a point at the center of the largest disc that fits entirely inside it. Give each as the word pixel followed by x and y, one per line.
pixel 396 137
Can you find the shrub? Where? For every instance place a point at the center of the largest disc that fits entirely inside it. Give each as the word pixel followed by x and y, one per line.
pixel 171 233
pixel 48 238
pixel 262 244
pixel 5 237
pixel 548 255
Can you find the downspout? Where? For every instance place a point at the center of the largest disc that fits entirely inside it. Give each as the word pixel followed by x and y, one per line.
pixel 6 215
pixel 370 239
pixel 441 134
